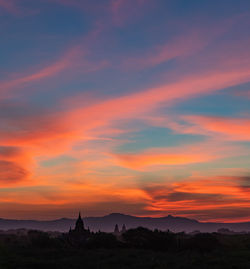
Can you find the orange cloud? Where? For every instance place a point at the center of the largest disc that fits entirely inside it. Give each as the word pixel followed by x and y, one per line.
pixel 15 154
pixel 137 161
pixel 181 155
pixel 56 133
pixel 11 173
pixel 68 127
pixel 237 129
pixel 145 101
pixel 211 198
pixel 70 192
pixel 15 164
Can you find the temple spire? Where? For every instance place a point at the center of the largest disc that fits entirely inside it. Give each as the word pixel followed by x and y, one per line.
pixel 116 231
pixel 123 228
pixel 79 224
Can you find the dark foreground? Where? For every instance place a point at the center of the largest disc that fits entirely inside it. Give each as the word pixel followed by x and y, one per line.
pixel 125 258
pixel 136 249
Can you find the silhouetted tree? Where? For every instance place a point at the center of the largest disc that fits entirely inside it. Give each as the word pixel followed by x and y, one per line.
pixel 202 242
pixel 145 238
pixel 102 240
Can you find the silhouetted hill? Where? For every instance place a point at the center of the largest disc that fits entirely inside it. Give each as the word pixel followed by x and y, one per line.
pixel 107 223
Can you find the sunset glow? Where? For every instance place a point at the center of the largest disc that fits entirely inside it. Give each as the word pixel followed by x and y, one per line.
pixel 133 106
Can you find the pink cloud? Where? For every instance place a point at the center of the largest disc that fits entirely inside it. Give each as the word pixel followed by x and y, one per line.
pixel 72 61
pixel 182 45
pixel 10 6
pixel 73 123
pixel 242 93
pixel 57 133
pixel 66 61
pixel 145 101
pixel 228 128
pixel 176 156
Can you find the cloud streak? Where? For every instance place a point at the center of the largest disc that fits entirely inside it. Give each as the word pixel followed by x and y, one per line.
pixel 223 128
pixel 12 173
pixel 65 62
pixel 87 121
pixel 176 156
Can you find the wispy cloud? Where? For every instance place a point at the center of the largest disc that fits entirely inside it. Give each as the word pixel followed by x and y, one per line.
pixel 54 68
pixel 9 6
pixel 68 127
pixel 71 63
pixel 225 128
pixel 209 198
pixel 69 121
pixel 183 155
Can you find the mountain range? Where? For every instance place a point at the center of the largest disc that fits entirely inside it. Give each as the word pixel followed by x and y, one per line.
pixel 108 222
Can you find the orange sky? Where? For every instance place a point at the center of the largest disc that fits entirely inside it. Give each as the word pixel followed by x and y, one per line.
pixel 136 106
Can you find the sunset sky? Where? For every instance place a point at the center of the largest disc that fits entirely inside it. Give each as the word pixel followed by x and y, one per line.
pixel 134 106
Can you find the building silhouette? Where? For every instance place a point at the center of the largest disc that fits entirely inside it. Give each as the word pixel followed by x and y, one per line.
pixel 118 232
pixel 123 229
pixel 79 226
pixel 79 234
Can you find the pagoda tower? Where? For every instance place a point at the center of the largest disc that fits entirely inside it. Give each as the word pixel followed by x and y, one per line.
pixel 116 231
pixel 79 227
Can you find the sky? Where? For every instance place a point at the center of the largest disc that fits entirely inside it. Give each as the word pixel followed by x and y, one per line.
pixel 134 106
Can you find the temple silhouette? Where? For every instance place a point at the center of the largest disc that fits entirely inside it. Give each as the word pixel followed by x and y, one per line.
pixel 118 232
pixel 79 234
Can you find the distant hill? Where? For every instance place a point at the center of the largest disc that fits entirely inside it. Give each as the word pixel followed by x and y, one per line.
pixel 107 224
